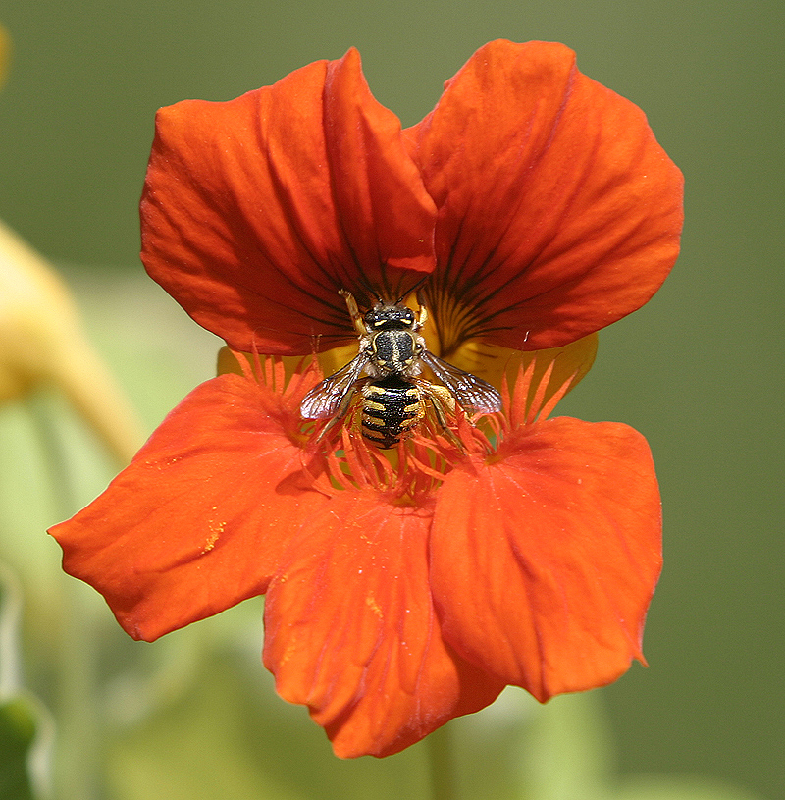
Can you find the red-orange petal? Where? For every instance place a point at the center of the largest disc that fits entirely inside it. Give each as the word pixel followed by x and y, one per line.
pixel 200 518
pixel 350 630
pixel 543 562
pixel 257 211
pixel 558 211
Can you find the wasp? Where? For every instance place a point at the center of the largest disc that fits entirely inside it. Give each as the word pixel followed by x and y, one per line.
pixel 385 372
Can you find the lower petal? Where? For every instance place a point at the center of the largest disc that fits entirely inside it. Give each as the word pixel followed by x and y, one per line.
pixel 199 519
pixel 351 632
pixel 543 563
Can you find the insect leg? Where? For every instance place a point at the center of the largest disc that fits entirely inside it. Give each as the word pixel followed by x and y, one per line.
pixel 354 312
pixel 443 402
pixel 422 316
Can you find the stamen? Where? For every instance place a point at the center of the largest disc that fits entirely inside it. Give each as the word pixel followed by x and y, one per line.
pixel 357 469
pixel 557 395
pixel 337 474
pixel 539 394
pixel 520 394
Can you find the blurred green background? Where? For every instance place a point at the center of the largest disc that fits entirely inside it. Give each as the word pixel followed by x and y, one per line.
pixel 698 370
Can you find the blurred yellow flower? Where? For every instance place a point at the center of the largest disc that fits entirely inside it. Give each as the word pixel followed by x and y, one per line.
pixel 42 343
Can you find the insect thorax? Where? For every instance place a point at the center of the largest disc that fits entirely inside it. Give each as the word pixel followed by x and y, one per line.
pixel 394 352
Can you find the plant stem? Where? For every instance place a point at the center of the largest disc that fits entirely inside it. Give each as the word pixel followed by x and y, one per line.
pixel 442 764
pixel 78 737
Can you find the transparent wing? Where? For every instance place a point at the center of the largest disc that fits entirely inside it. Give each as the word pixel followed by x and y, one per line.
pixel 324 399
pixel 472 393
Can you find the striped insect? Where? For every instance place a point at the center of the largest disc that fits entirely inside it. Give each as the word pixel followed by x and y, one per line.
pixel 386 373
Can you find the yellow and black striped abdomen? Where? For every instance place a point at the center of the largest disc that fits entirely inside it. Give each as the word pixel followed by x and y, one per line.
pixel 391 407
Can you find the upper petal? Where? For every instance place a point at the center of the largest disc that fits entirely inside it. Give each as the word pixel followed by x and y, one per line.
pixel 557 547
pixel 350 630
pixel 256 211
pixel 199 519
pixel 558 211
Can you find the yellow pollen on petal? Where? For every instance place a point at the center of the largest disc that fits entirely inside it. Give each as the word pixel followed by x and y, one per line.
pixel 287 655
pixel 374 606
pixel 216 529
pixel 213 537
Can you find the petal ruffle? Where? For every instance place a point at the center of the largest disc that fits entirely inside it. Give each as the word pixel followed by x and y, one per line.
pixel 257 211
pixel 200 518
pixel 350 630
pixel 557 545
pixel 558 211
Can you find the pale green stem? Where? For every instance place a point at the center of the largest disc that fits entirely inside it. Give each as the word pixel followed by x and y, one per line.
pixel 442 763
pixel 77 738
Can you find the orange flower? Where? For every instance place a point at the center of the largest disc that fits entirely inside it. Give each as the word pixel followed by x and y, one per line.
pixel 532 207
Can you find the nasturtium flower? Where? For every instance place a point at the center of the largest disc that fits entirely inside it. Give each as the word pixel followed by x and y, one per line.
pixel 530 209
